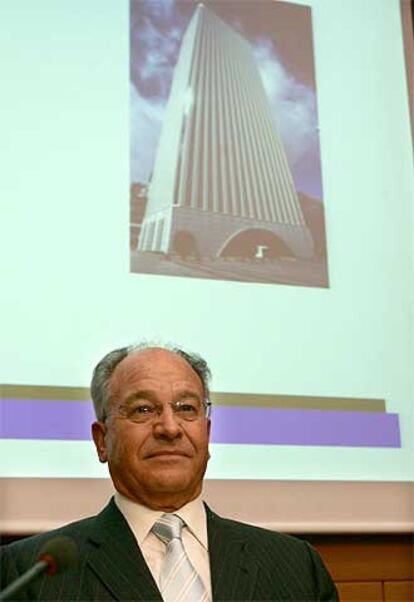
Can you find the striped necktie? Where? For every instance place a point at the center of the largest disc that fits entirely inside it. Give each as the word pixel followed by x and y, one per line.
pixel 179 581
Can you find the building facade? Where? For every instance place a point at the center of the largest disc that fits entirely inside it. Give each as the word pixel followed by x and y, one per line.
pixel 220 169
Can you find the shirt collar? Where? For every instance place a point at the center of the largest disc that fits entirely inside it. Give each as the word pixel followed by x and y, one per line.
pixel 141 518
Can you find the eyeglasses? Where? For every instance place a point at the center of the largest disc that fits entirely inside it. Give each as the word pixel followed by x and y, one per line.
pixel 142 411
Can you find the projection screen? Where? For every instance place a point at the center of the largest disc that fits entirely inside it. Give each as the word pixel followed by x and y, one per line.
pixel 245 192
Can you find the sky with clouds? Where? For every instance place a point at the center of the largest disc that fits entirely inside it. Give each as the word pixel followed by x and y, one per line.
pixel 157 27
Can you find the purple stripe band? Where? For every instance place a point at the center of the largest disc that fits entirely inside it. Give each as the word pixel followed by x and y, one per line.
pixel 305 427
pixel 46 419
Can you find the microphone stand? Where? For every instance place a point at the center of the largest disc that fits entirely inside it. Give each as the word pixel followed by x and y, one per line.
pixel 23 580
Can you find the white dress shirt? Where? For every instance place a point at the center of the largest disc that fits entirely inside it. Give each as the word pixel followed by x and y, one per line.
pixel 194 536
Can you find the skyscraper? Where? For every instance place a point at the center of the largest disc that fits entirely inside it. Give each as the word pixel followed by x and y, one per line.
pixel 220 169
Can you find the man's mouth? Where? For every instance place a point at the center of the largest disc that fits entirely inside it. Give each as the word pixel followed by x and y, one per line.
pixel 167 454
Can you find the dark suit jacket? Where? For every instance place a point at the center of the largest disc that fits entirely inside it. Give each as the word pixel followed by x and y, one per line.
pixel 247 563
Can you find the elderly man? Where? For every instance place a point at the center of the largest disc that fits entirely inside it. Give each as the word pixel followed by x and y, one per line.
pixel 156 540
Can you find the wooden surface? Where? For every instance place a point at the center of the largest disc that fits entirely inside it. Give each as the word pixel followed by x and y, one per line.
pixel 360 590
pixel 399 591
pixel 368 568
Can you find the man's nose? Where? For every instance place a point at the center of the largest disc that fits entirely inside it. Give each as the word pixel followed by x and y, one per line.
pixel 166 424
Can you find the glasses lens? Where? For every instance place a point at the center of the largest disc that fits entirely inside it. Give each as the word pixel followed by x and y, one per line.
pixel 187 409
pixel 140 411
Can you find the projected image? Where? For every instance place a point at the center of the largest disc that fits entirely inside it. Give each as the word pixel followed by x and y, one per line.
pixel 225 159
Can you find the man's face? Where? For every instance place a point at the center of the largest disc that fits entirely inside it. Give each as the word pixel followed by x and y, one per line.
pixel 160 463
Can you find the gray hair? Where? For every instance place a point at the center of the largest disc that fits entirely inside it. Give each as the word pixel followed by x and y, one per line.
pixel 100 389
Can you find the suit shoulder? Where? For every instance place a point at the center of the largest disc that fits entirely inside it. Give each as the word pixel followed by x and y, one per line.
pixel 283 559
pixel 76 530
pixel 255 533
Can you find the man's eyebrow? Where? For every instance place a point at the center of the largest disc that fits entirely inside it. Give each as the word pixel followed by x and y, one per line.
pixel 187 394
pixel 146 394
pixel 149 395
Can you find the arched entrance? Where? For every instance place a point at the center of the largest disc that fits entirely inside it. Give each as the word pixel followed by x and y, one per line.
pixel 256 243
pixel 185 243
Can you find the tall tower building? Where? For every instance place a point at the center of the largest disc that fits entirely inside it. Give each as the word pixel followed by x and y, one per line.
pixel 220 168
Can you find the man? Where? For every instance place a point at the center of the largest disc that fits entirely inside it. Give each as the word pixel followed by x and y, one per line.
pixel 153 429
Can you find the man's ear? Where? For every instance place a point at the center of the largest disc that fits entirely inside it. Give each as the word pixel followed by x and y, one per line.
pixel 208 432
pixel 98 434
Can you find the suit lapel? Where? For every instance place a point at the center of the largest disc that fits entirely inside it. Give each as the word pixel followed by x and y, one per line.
pixel 118 562
pixel 116 559
pixel 232 577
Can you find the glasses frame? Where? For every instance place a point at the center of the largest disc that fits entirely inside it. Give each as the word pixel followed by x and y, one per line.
pixel 159 409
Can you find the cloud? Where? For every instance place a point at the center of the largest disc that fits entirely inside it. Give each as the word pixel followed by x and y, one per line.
pixel 157 9
pixel 156 38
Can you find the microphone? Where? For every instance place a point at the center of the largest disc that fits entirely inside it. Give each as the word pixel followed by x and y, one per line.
pixel 55 556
